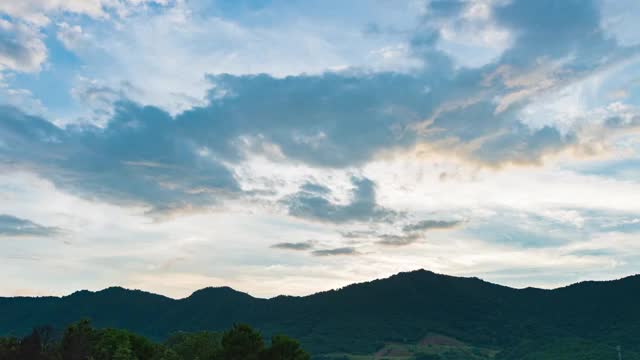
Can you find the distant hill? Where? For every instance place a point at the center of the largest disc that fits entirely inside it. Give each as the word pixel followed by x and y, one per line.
pixel 364 318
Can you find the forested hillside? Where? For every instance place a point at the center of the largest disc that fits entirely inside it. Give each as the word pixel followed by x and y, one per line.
pixel 364 318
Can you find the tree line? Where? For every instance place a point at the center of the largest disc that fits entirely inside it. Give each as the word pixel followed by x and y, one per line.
pixel 81 341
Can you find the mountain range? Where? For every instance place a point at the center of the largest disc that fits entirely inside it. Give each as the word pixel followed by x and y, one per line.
pixel 365 317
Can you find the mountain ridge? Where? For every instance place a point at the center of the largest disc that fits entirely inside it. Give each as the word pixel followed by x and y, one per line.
pixel 225 287
pixel 403 307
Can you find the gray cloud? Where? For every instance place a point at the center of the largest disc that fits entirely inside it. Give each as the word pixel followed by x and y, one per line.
pixel 594 252
pixel 136 159
pixel 431 224
pixel 306 245
pixel 554 29
pixel 363 206
pixel 336 252
pixel 13 226
pixel 358 234
pixel 399 240
pixel 315 188
pixel 412 233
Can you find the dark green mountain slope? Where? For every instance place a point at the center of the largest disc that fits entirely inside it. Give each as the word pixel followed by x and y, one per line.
pixel 361 318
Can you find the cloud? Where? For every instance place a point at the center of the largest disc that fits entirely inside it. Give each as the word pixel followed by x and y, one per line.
pixel 619 19
pixel 572 26
pixel 347 118
pixel 20 98
pixel 362 207
pixel 331 120
pixel 38 12
pixel 13 226
pixel 528 229
pixel 21 47
pixel 136 159
pixel 256 133
pixel 414 232
pixel 99 100
pixel 358 234
pixel 594 252
pixel 306 245
pixel 399 240
pixel 72 36
pixel 315 188
pixel 143 155
pixel 425 225
pixel 200 39
pixel 336 252
pixel 468 30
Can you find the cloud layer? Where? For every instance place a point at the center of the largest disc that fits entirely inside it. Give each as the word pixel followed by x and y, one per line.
pixel 336 120
pixel 208 142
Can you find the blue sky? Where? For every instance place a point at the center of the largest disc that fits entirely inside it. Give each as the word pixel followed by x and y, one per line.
pixel 292 147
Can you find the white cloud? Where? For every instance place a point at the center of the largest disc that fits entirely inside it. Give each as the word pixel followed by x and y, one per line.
pixel 38 12
pixel 97 101
pixel 620 20
pixel 21 47
pixel 182 248
pixel 473 38
pixel 175 48
pixel 22 99
pixel 585 103
pixel 72 36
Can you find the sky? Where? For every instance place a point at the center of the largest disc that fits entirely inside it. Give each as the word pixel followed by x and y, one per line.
pixel 291 147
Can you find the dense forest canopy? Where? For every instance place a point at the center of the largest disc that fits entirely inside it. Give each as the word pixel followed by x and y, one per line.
pixel 81 341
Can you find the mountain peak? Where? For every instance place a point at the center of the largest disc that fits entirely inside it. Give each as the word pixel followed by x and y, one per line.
pixel 218 292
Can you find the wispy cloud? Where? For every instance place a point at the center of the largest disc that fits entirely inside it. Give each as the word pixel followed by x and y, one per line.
pixel 335 252
pixel 11 226
pixel 431 224
pixel 415 232
pixel 399 240
pixel 306 245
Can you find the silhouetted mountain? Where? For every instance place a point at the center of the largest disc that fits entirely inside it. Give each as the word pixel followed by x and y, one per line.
pixel 362 317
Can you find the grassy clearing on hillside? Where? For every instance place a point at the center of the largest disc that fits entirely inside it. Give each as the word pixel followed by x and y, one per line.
pixel 431 347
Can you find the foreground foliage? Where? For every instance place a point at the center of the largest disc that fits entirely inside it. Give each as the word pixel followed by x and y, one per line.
pixel 81 341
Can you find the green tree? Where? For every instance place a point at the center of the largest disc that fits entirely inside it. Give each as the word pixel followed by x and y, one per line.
pixel 284 348
pixel 162 352
pixel 123 352
pixel 9 348
pixel 77 341
pixel 82 342
pixel 31 347
pixel 242 342
pixel 142 347
pixel 110 341
pixel 204 345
